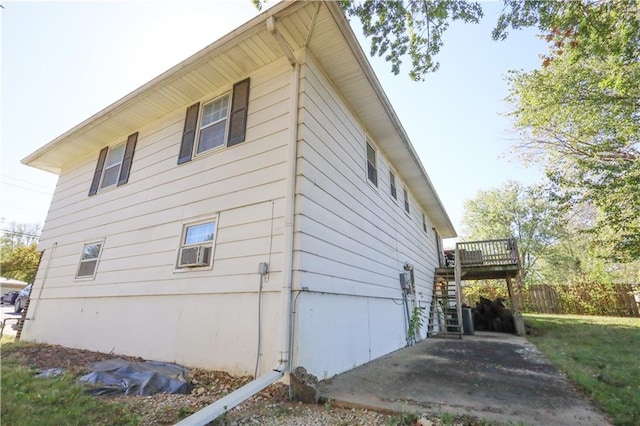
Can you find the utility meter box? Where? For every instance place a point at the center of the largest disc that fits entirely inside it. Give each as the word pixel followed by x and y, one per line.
pixel 405 281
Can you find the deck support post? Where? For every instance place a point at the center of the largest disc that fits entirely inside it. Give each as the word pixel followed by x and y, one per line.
pixel 518 321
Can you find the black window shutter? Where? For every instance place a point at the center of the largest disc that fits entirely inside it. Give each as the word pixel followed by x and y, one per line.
pixel 239 107
pixel 98 172
pixel 127 159
pixel 189 134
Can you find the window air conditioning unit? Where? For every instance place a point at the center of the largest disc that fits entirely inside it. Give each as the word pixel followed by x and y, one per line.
pixel 194 256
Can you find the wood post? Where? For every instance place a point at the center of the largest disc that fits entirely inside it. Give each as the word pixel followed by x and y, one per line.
pixel 518 322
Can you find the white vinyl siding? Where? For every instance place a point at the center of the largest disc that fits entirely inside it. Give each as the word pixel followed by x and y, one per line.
pixel 143 221
pixel 352 241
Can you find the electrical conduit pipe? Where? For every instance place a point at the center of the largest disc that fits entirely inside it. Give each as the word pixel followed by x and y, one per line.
pixel 221 406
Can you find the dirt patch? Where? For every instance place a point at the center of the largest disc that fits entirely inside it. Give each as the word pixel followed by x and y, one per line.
pixel 270 407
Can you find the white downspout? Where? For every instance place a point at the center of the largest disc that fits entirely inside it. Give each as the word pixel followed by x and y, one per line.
pixel 221 406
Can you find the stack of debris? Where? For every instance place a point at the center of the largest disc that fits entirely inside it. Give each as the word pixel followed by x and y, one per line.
pixel 493 316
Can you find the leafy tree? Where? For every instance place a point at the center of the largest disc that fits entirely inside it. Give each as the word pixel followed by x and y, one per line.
pixel 412 28
pixel 580 115
pixel 15 234
pixel 21 263
pixel 19 252
pixel 526 213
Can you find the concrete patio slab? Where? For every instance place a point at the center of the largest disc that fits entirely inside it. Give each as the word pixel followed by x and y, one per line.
pixel 494 376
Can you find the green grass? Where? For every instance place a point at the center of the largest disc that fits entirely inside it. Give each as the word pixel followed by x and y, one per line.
pixel 599 354
pixel 27 400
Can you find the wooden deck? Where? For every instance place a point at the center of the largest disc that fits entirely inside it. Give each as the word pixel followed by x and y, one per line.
pixel 484 260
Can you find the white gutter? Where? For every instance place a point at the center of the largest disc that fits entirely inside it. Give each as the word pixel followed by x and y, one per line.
pixel 221 406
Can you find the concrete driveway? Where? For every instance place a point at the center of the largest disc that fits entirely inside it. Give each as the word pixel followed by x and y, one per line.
pixel 6 311
pixel 494 376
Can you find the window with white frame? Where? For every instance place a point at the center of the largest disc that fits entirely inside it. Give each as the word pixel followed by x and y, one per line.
pixel 112 165
pixel 213 124
pixel 406 200
pixel 89 260
pixel 220 122
pixel 424 223
pixel 392 185
pixel 372 168
pixel 196 249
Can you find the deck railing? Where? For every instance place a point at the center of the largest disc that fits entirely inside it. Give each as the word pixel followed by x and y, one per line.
pixel 488 253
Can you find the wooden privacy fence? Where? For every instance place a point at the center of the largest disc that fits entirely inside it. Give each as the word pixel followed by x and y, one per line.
pixel 593 299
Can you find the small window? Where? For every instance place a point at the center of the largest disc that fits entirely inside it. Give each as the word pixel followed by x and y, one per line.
pixel 89 260
pixel 372 170
pixel 406 200
pixel 213 124
pixel 197 245
pixel 220 122
pixel 424 223
pixel 112 166
pixel 392 184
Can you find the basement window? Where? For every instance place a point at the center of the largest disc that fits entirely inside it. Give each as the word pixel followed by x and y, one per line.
pixel 196 250
pixel 89 260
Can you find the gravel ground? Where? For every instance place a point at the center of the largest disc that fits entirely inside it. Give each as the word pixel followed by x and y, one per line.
pixel 270 407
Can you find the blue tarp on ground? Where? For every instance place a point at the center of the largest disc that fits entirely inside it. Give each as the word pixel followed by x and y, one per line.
pixel 118 376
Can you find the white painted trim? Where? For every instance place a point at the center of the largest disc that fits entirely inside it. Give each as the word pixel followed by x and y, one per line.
pixel 195 154
pixel 186 224
pixel 95 271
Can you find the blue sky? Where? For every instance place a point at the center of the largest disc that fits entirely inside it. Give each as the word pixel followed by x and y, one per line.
pixel 64 61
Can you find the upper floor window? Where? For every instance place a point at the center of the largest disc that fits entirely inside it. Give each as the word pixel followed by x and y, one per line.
pixel 406 200
pixel 220 121
pixel 372 170
pixel 89 260
pixel 424 223
pixel 392 184
pixel 114 165
pixel 213 124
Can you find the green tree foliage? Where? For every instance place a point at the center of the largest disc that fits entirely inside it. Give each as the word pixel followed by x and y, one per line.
pixel 19 251
pixel 579 116
pixel 412 28
pixel 526 213
pixel 21 263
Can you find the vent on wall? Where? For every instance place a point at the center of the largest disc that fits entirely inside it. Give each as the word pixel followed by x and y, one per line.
pixel 195 256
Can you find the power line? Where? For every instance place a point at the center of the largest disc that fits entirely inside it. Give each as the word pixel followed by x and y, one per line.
pixel 22 234
pixel 25 181
pixel 28 189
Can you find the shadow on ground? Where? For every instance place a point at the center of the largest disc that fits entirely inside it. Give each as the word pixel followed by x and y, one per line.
pixel 493 376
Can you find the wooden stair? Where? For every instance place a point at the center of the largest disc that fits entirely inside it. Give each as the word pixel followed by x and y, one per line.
pixel 445 314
